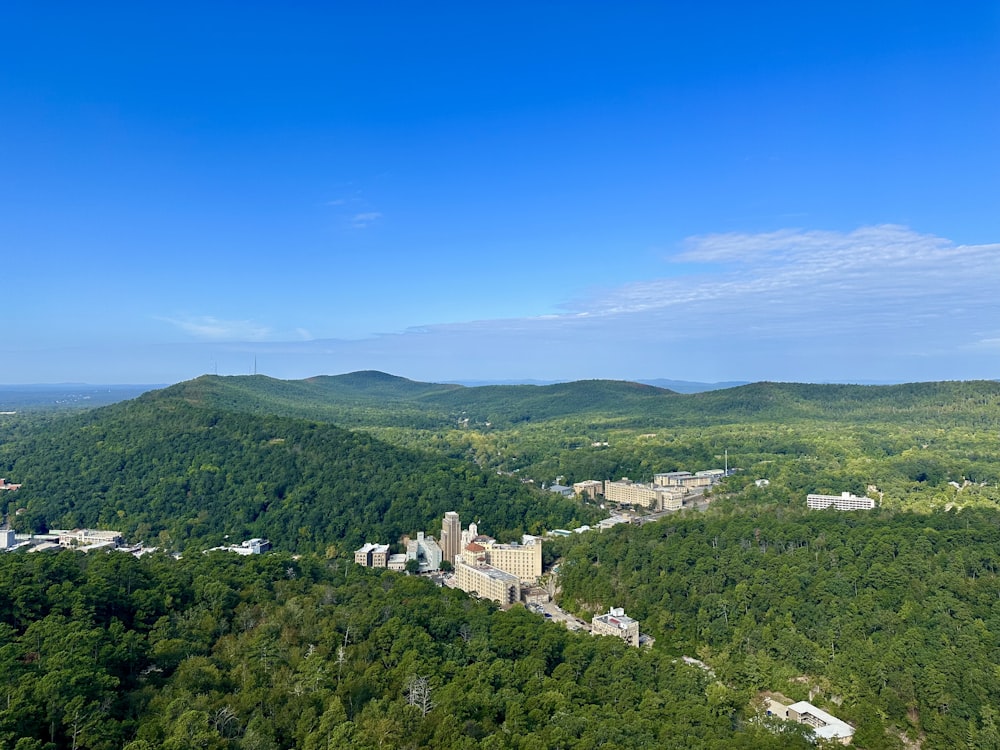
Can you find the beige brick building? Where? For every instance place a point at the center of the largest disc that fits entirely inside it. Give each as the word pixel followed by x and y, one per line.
pixel 589 488
pixel 488 582
pixel 521 560
pixel 372 555
pixel 617 623
pixel 655 497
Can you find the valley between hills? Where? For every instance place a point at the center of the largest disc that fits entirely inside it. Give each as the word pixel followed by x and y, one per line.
pixel 888 618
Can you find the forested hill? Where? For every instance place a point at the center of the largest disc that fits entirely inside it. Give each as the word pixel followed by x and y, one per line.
pixel 160 468
pixel 378 399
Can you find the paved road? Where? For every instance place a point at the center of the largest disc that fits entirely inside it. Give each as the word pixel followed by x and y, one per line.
pixel 552 611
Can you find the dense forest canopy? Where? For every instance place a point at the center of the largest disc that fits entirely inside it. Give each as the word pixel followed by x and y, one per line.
pixel 894 615
pixel 216 651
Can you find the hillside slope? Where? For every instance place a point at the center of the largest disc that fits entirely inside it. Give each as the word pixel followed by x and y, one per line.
pixel 160 468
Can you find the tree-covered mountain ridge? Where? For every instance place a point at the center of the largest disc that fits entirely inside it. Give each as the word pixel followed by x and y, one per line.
pixel 165 470
pixel 376 398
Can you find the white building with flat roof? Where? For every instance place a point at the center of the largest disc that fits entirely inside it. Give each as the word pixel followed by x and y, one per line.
pixel 825 726
pixel 843 501
pixel 426 551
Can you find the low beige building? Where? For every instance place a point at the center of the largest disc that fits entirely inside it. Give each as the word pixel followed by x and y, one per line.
pixel 488 582
pixel 589 488
pixel 535 595
pixel 372 555
pixel 655 497
pixel 88 537
pixel 618 624
pixel 825 726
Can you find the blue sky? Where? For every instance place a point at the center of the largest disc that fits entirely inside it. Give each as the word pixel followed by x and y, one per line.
pixel 445 191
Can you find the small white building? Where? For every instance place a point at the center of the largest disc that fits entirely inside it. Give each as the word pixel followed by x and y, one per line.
pixel 824 725
pixel 254 546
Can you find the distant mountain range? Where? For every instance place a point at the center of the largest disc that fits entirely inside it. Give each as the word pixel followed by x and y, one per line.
pixel 66 395
pixel 377 399
pixel 678 386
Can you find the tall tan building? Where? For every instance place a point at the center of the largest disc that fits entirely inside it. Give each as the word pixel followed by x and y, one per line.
pixel 521 560
pixel 451 536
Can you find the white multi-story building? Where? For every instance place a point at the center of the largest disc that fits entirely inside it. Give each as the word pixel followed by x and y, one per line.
pixel 843 501
pixel 825 726
pixel 425 550
pixel 255 546
pixel 687 479
pixel 670 478
pixel 469 535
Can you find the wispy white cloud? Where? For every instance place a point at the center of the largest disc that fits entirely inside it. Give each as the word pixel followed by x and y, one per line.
pixel 879 303
pixel 210 328
pixel 365 219
pixel 883 271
